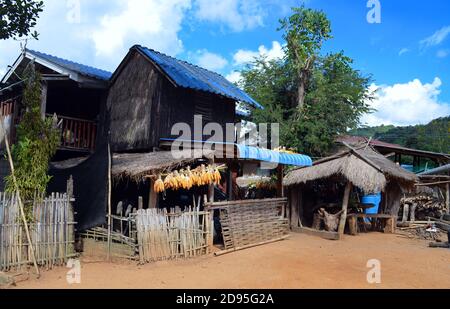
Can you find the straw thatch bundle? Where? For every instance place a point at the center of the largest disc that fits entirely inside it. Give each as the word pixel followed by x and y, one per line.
pixel 138 165
pixel 366 169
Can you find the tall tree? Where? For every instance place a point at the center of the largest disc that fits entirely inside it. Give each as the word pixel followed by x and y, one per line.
pixel 18 17
pixel 335 98
pixel 304 32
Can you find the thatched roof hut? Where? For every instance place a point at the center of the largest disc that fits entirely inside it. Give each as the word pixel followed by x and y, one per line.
pixel 365 168
pixel 359 170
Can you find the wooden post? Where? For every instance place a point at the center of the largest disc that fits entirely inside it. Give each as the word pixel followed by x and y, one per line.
pixel 71 217
pixel 230 183
pixel 44 98
pixel 353 225
pixel 448 197
pixel 343 220
pixel 280 176
pixel 140 203
pixel 405 212
pixel 153 196
pixel 413 212
pixel 109 203
pixel 211 218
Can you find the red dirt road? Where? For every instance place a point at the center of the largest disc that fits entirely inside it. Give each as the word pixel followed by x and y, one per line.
pixel 299 262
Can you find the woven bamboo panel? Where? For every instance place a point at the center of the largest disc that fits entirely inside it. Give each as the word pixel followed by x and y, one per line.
pixel 163 236
pixel 52 232
pixel 247 224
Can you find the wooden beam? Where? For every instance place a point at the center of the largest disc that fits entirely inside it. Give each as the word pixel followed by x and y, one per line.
pixel 316 233
pixel 153 195
pixel 251 246
pixel 368 161
pixel 109 204
pixel 432 183
pixel 343 219
pixel 448 197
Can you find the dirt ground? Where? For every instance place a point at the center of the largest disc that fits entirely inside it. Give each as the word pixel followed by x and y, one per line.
pixel 299 262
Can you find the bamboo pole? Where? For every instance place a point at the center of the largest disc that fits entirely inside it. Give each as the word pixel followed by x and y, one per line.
pixel 251 246
pixel 109 203
pixel 22 212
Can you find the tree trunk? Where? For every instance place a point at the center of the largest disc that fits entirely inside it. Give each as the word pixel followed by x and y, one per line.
pixel 301 93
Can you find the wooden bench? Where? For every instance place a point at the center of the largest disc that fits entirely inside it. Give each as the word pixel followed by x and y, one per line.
pixel 389 221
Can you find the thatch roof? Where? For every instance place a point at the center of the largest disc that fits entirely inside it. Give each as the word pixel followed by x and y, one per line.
pixel 365 168
pixel 138 165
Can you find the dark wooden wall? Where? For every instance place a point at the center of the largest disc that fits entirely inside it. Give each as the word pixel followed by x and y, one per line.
pixel 144 105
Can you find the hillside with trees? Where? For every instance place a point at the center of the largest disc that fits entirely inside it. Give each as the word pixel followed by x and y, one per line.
pixel 434 136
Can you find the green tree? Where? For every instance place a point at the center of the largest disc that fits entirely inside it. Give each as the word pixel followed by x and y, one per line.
pixel 304 32
pixel 18 17
pixel 335 98
pixel 37 142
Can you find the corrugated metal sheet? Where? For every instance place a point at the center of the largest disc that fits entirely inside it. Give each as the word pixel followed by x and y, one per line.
pixel 73 66
pixel 191 76
pixel 258 154
pixel 265 155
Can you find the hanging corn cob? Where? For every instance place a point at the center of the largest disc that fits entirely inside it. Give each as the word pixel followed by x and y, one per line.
pixel 186 179
pixel 159 185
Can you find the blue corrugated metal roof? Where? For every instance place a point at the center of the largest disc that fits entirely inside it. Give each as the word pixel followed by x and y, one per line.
pixel 260 154
pixel 73 66
pixel 188 75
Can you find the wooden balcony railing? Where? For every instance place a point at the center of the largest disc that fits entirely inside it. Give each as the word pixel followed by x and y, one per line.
pixel 77 134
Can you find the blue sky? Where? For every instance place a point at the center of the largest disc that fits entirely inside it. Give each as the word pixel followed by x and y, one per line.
pixel 408 53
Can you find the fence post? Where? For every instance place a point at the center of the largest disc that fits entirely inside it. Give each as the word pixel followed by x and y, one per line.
pixel 71 216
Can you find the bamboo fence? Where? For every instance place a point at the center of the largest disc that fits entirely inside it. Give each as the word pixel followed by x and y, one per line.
pixel 52 232
pixel 163 235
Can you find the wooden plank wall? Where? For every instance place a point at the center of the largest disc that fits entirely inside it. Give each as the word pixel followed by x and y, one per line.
pixel 144 105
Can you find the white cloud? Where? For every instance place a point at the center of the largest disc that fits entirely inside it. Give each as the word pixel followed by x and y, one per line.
pixel 209 60
pixel 443 53
pixel 407 104
pixel 106 30
pixel 403 51
pixel 244 56
pixel 237 15
pixel 234 77
pixel 153 22
pixel 436 38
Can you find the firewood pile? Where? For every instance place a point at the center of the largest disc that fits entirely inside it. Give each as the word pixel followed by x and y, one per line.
pixel 420 207
pixel 422 231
